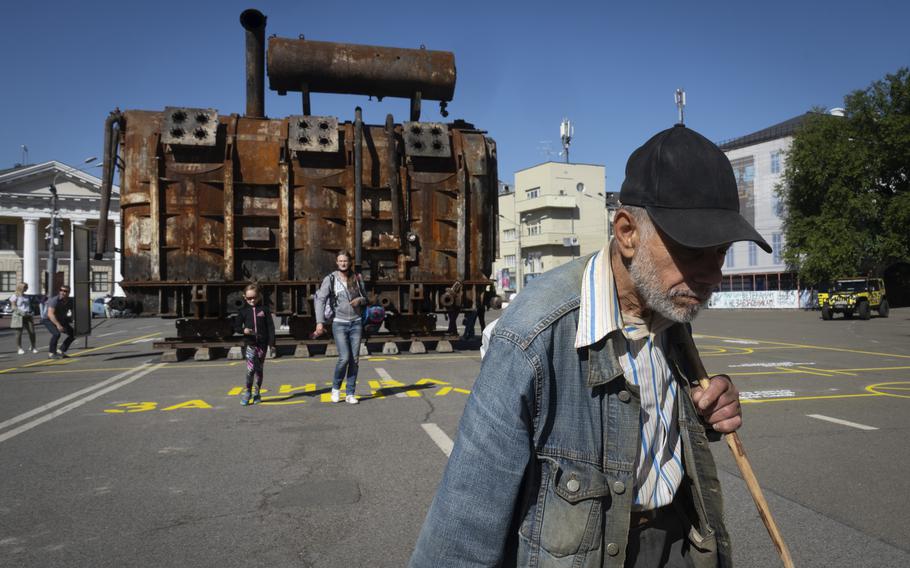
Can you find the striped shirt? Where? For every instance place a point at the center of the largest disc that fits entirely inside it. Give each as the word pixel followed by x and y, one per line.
pixel 659 466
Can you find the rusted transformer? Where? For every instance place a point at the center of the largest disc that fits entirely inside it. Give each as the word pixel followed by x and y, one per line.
pixel 210 202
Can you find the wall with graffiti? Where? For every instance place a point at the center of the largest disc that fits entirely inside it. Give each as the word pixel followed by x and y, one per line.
pixel 772 299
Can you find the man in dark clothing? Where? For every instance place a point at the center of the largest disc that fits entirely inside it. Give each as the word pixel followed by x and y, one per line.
pixel 57 321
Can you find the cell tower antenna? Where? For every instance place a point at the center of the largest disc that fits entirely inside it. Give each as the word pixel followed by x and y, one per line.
pixel 566 131
pixel 24 155
pixel 681 105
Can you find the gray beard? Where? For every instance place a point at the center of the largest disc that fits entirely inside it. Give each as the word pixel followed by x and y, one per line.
pixel 647 283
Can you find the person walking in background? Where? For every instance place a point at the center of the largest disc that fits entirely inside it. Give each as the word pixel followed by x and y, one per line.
pixel 58 321
pixel 342 291
pixel 22 318
pixel 254 321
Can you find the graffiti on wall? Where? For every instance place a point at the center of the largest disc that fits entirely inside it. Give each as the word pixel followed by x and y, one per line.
pixel 771 299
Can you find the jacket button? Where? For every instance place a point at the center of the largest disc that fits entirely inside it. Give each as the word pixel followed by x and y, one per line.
pixel 619 487
pixel 572 485
pixel 624 396
pixel 612 549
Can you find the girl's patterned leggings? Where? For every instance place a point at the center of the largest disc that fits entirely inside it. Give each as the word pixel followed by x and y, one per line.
pixel 255 360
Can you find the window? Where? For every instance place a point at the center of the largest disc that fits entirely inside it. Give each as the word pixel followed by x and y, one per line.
pixel 7 281
pixel 775 162
pixel 101 281
pixel 730 258
pixel 510 260
pixel 508 235
pixel 532 193
pixel 777 244
pixel 753 254
pixel 534 229
pixel 8 237
pixel 534 262
pixel 744 170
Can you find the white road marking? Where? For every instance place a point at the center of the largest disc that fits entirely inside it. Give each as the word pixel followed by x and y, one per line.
pixel 752 395
pixel 437 435
pixel 109 333
pixel 773 364
pixel 137 373
pixel 146 340
pixel 741 341
pixel 842 422
pixel 387 377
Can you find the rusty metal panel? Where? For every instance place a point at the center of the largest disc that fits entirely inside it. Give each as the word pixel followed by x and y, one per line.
pixel 426 139
pixel 189 126
pixel 313 133
pixel 257 234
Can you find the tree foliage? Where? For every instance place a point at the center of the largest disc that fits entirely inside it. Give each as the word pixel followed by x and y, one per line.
pixel 847 185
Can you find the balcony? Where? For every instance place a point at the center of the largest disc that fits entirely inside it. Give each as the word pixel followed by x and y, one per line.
pixel 545 202
pixel 545 239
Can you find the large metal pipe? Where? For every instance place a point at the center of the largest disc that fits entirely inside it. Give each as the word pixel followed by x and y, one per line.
pixel 358 187
pixel 329 67
pixel 253 22
pixel 111 141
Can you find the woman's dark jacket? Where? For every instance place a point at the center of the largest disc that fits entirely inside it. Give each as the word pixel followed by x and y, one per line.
pixel 264 326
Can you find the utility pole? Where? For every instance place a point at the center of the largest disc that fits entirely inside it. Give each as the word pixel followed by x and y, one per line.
pixel 52 238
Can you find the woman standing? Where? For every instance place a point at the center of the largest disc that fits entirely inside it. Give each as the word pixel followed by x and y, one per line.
pixel 22 317
pixel 343 291
pixel 254 321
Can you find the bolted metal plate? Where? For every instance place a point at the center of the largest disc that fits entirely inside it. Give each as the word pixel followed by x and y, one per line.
pixel 190 126
pixel 313 133
pixel 426 139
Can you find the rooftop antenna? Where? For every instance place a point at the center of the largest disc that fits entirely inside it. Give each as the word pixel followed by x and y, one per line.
pixel 566 131
pixel 680 105
pixel 24 155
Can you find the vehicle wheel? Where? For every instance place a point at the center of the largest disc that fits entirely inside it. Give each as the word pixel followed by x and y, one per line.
pixel 883 309
pixel 863 311
pixel 826 313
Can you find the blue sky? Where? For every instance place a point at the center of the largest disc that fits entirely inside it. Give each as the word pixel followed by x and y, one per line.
pixel 611 67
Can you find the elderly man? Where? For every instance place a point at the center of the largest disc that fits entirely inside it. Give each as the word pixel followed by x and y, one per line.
pixel 584 442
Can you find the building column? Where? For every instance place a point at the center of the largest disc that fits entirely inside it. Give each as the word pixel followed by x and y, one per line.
pixel 30 272
pixel 72 273
pixel 118 291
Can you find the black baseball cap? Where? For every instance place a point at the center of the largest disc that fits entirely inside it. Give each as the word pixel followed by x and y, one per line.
pixel 686 184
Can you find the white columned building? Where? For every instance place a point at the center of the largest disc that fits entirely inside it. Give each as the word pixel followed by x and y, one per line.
pixel 25 214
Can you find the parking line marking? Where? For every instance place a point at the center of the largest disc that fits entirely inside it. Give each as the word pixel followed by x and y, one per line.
pixel 84 351
pixel 110 333
pixel 820 397
pixel 141 372
pixel 387 377
pixel 820 347
pixel 60 401
pixel 842 422
pixel 439 437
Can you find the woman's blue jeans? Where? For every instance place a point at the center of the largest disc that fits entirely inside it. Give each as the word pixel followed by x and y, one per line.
pixel 347 339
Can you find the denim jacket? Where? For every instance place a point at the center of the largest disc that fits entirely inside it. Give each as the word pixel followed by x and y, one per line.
pixel 542 472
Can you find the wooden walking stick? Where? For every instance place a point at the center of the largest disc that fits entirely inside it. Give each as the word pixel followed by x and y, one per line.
pixel 739 454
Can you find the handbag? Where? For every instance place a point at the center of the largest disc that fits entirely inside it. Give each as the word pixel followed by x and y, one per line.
pixel 329 311
pixel 16 321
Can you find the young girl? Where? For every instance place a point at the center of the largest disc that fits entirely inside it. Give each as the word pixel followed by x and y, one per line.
pixel 343 290
pixel 254 321
pixel 22 312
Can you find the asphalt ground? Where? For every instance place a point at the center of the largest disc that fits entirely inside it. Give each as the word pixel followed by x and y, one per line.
pixel 112 459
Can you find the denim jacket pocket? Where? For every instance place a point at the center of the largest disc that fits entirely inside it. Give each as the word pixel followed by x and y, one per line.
pixel 572 507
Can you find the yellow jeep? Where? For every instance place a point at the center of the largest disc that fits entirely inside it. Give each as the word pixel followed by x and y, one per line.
pixel 855 296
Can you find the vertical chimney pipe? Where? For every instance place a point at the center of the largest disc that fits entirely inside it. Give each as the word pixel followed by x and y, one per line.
pixel 253 21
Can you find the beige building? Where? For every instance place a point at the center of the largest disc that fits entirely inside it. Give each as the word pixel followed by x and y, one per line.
pixel 554 212
pixel 25 214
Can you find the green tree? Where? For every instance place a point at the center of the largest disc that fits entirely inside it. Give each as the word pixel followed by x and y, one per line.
pixel 846 185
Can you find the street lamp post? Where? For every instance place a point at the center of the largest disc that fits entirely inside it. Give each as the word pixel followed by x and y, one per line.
pixel 54 230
